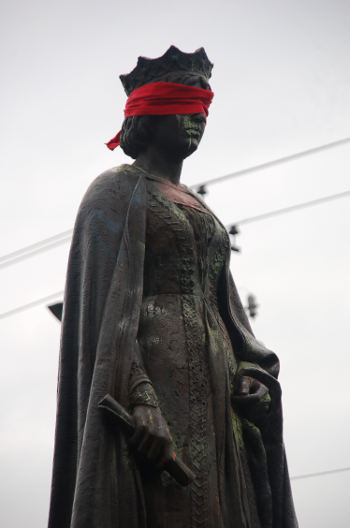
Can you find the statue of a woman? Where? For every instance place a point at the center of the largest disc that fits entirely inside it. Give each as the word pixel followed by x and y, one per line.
pixel 152 317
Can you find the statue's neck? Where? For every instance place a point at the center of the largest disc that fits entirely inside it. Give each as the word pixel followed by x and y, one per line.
pixel 154 162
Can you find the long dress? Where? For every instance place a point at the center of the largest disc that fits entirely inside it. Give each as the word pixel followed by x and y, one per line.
pixel 148 272
pixel 188 355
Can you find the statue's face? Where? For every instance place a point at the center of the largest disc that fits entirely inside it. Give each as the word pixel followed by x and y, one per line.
pixel 178 136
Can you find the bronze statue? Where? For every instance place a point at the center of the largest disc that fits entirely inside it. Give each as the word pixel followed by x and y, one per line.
pixel 152 318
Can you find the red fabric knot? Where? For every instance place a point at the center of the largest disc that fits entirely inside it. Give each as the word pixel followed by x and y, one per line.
pixel 165 98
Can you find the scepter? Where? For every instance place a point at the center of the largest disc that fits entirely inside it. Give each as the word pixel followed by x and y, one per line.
pixel 175 466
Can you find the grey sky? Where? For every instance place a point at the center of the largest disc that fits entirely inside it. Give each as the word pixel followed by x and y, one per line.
pixel 282 84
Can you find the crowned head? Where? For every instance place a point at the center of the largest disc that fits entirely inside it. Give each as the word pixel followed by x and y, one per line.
pixel 175 66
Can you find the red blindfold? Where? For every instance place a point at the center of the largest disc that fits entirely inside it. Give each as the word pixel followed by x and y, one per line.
pixel 164 98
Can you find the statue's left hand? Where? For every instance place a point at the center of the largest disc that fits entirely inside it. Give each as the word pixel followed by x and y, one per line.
pixel 251 398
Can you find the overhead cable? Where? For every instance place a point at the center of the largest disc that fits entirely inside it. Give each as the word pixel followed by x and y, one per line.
pixel 233 230
pixel 290 209
pixel 33 249
pixel 32 304
pixel 320 473
pixel 273 163
pixel 64 236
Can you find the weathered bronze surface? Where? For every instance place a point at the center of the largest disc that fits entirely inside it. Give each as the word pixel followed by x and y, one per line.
pixel 152 317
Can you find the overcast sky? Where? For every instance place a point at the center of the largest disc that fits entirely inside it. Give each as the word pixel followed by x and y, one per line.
pixel 282 84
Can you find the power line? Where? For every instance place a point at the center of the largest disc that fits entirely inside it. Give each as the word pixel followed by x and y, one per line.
pixel 33 249
pixel 64 236
pixel 320 473
pixel 292 208
pixel 273 163
pixel 232 228
pixel 61 238
pixel 31 304
pixel 55 240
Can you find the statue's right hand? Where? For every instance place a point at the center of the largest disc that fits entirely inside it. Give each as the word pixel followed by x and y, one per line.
pixel 151 437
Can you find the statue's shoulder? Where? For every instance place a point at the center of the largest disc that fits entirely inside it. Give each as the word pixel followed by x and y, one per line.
pixel 116 184
pixel 117 179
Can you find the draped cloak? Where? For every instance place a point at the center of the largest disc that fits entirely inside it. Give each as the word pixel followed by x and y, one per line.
pixel 95 483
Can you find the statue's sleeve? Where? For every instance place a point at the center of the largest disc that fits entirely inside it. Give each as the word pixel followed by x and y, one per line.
pixel 141 390
pixel 250 351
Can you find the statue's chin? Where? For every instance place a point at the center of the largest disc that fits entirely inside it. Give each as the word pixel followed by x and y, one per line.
pixel 182 148
pixel 190 146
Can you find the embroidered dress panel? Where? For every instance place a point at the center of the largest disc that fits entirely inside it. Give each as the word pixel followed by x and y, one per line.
pixel 188 356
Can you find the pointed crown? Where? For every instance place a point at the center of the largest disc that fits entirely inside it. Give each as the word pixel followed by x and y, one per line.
pixel 173 61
